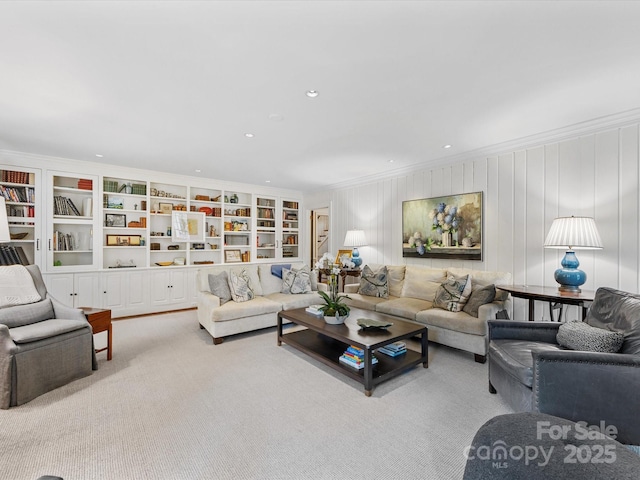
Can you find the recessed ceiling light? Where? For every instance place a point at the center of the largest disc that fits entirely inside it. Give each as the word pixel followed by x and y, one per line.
pixel 248 135
pixel 312 93
pixel 391 161
pixel 99 156
pixel 267 181
pixel 447 146
pixel 198 170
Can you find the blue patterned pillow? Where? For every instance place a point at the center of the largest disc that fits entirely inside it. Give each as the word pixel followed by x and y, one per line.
pixel 453 294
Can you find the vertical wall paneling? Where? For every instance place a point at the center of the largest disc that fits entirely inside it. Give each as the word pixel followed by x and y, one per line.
pixel 628 200
pixel 520 230
pixel 606 207
pixel 595 175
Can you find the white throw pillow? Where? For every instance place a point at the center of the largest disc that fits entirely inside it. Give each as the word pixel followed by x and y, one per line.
pixel 296 280
pixel 16 286
pixel 239 286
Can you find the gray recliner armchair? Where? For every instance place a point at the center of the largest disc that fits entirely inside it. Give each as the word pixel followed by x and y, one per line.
pixel 532 372
pixel 43 345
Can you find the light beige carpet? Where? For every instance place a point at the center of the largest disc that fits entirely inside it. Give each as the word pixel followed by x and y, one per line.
pixel 170 405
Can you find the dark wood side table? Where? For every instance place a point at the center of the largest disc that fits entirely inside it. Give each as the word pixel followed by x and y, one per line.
pixel 344 273
pixel 552 295
pixel 100 320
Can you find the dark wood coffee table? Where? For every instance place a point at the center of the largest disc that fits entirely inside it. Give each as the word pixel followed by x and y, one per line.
pixel 326 343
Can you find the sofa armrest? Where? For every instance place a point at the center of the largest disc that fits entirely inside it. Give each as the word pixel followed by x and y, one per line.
pixel 591 387
pixel 533 331
pixel 206 302
pixel 488 310
pixel 61 310
pixel 323 287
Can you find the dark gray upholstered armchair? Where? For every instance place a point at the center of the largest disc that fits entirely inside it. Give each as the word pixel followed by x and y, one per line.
pixel 533 372
pixel 43 345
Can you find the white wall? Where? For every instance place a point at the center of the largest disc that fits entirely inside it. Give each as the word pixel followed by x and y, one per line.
pixel 524 189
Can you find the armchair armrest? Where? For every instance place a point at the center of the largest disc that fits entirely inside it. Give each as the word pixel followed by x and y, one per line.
pixel 7 345
pixel 533 331
pixel 64 311
pixel 591 387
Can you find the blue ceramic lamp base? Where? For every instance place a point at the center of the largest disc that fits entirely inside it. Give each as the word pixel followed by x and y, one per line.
pixel 569 276
pixel 355 257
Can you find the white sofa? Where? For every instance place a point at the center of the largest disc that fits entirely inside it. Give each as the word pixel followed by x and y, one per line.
pixel 412 291
pixel 260 312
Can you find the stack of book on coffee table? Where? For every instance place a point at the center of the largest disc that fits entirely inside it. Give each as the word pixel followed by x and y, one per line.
pixel 354 357
pixel 394 349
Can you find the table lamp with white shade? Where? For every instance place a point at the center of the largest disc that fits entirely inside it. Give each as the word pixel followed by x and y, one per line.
pixel 572 233
pixel 355 239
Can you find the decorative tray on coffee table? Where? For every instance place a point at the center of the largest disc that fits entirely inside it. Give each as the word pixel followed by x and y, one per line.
pixel 372 324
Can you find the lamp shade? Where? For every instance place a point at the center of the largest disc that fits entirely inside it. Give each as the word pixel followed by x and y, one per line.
pixel 355 238
pixel 5 236
pixel 573 233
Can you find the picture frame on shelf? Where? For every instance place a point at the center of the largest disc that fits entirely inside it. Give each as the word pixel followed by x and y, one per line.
pixel 187 226
pixel 338 260
pixel 115 220
pixel 123 240
pixel 115 202
pixel 232 256
pixel 165 208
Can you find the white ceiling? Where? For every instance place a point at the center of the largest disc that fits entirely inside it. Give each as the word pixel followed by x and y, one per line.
pixel 174 86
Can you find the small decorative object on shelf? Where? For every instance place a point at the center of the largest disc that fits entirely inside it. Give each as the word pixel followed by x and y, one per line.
pixel 394 349
pixel 354 357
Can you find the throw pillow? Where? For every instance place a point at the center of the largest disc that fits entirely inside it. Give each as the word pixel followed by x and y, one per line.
pixel 453 294
pixel 16 286
pixel 296 280
pixel 481 296
pixel 219 286
pixel 582 336
pixel 239 286
pixel 374 284
pixel 277 269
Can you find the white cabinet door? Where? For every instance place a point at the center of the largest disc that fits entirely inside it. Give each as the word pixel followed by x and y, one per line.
pixel 114 289
pixel 137 292
pixel 76 290
pixel 87 290
pixel 60 287
pixel 160 281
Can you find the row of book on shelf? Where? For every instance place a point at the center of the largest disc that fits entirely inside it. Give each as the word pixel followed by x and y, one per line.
pixel 18 194
pixel 64 206
pixel 11 176
pixel 353 356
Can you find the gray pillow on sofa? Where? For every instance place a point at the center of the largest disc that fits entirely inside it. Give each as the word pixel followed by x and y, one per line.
pixel 582 336
pixel 480 297
pixel 219 286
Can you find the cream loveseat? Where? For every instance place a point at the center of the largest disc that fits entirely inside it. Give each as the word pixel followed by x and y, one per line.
pixel 412 291
pixel 232 317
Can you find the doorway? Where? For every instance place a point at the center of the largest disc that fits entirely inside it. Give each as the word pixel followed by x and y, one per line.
pixel 319 233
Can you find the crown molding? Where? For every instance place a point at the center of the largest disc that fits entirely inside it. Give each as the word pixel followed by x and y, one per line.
pixel 588 127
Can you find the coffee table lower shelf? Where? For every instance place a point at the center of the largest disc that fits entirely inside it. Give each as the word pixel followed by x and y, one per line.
pixel 326 344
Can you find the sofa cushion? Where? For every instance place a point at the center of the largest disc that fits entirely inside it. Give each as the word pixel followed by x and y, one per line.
pixel 374 283
pixel 456 321
pixel 45 329
pixel 366 302
pixel 481 278
pixel 235 310
pixel 16 286
pixel 405 307
pixel 219 286
pixel 422 282
pixel 296 280
pixel 617 311
pixel 515 357
pixel 25 314
pixel 453 294
pixel 479 297
pixel 289 302
pixel 239 286
pixel 581 336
